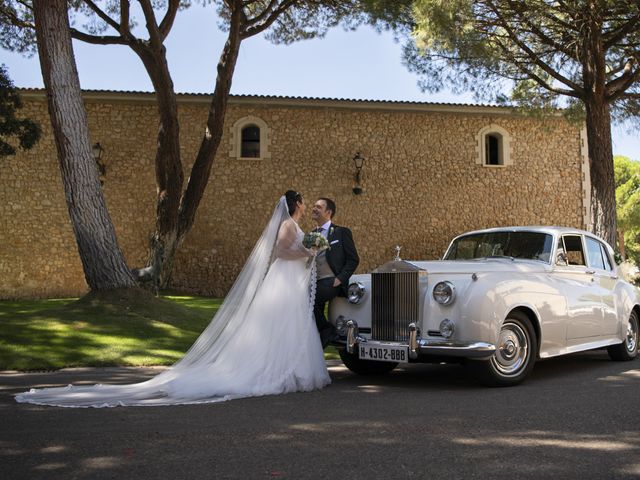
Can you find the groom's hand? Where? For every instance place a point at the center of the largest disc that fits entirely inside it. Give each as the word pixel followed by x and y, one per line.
pixel 337 282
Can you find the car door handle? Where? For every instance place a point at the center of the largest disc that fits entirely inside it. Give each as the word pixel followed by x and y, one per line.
pixel 590 272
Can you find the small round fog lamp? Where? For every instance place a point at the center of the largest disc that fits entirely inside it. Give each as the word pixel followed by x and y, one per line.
pixel 444 293
pixel 341 326
pixel 355 292
pixel 447 327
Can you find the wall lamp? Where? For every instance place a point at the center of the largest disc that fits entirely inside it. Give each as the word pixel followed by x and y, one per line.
pixel 358 160
pixel 97 152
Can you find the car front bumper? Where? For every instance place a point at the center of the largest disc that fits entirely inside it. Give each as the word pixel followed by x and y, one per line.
pixel 424 347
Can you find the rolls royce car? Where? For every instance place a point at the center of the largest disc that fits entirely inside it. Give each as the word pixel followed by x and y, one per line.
pixel 499 300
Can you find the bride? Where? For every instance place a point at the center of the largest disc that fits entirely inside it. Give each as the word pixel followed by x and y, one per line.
pixel 262 341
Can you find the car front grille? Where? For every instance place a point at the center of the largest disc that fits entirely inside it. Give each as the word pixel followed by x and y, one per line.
pixel 395 304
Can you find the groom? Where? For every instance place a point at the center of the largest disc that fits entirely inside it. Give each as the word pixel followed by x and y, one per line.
pixel 334 266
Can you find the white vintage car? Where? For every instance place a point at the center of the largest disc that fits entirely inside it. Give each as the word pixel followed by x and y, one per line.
pixel 499 300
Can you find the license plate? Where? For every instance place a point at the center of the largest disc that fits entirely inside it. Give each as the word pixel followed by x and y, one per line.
pixel 384 353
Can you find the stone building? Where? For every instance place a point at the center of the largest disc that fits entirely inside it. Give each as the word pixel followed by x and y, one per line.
pixel 430 171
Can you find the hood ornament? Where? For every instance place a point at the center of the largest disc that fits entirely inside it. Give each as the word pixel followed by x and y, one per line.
pixel 397 265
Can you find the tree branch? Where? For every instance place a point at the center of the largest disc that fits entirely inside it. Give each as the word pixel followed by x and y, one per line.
pixel 98 39
pixel 533 56
pixel 124 19
pixel 623 31
pixel 98 11
pixel 152 25
pixel 262 15
pixel 616 88
pixel 167 22
pixel 13 19
pixel 255 29
pixel 528 73
pixel 543 37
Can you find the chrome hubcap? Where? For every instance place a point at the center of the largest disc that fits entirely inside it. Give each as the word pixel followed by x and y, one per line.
pixel 513 349
pixel 632 335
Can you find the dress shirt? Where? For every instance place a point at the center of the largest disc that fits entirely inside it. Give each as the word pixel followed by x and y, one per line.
pixel 325 229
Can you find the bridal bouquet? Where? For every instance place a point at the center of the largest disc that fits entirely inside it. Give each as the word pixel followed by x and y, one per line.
pixel 317 241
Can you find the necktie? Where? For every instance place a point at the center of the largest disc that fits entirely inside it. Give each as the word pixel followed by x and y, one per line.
pixel 319 230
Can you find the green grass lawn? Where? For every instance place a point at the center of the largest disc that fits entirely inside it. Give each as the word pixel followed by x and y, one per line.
pixel 102 330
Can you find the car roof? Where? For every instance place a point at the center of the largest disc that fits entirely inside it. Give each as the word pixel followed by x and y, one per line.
pixel 552 230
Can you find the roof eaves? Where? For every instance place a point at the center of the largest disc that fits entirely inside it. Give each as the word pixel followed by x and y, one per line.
pixel 134 96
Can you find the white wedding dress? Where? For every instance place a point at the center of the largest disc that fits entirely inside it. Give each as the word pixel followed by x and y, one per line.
pixel 262 341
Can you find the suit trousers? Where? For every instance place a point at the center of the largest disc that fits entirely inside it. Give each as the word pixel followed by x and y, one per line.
pixel 325 291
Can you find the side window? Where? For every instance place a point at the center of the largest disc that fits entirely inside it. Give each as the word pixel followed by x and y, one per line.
pixel 605 257
pixel 594 253
pixel 573 249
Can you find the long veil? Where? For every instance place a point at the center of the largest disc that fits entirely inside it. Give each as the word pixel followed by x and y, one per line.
pixel 228 320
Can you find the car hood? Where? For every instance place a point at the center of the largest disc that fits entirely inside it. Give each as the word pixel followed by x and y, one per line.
pixel 485 265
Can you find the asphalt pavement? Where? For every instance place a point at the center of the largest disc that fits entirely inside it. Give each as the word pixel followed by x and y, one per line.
pixel 575 417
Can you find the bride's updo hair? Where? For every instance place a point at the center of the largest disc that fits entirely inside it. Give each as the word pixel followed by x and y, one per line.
pixel 292 198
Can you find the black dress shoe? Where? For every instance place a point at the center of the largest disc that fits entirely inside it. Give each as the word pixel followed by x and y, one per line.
pixel 328 335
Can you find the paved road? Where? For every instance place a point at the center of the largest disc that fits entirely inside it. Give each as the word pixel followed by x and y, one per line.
pixel 576 417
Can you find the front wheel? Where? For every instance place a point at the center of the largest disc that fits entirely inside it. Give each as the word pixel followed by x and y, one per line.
pixel 627 350
pixel 514 357
pixel 365 367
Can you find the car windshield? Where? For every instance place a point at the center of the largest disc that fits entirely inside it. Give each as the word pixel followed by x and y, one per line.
pixel 522 245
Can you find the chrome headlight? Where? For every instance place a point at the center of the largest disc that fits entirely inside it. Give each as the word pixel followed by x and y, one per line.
pixel 355 292
pixel 447 327
pixel 444 293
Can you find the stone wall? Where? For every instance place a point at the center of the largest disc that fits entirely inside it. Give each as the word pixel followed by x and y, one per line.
pixel 421 183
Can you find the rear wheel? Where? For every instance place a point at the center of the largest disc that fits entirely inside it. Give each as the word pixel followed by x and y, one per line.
pixel 365 367
pixel 514 357
pixel 627 350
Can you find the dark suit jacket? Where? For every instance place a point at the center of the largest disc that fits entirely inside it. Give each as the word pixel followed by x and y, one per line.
pixel 342 257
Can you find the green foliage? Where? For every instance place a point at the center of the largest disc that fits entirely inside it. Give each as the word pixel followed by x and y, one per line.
pixel 624 169
pixel 530 53
pixel 16 26
pixel 384 15
pixel 296 20
pixel 26 131
pixel 538 56
pixel 627 178
pixel 307 19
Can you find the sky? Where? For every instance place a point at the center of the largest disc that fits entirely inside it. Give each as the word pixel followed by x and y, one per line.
pixel 353 65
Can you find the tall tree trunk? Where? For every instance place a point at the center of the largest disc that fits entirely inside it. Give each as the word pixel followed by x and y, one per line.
pixel 603 187
pixel 102 260
pixel 167 241
pixel 168 164
pixel 594 74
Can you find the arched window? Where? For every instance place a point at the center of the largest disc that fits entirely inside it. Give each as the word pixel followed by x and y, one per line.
pixel 250 139
pixel 250 142
pixel 493 147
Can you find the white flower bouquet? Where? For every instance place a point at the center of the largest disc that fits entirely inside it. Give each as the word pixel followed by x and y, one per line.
pixel 315 240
